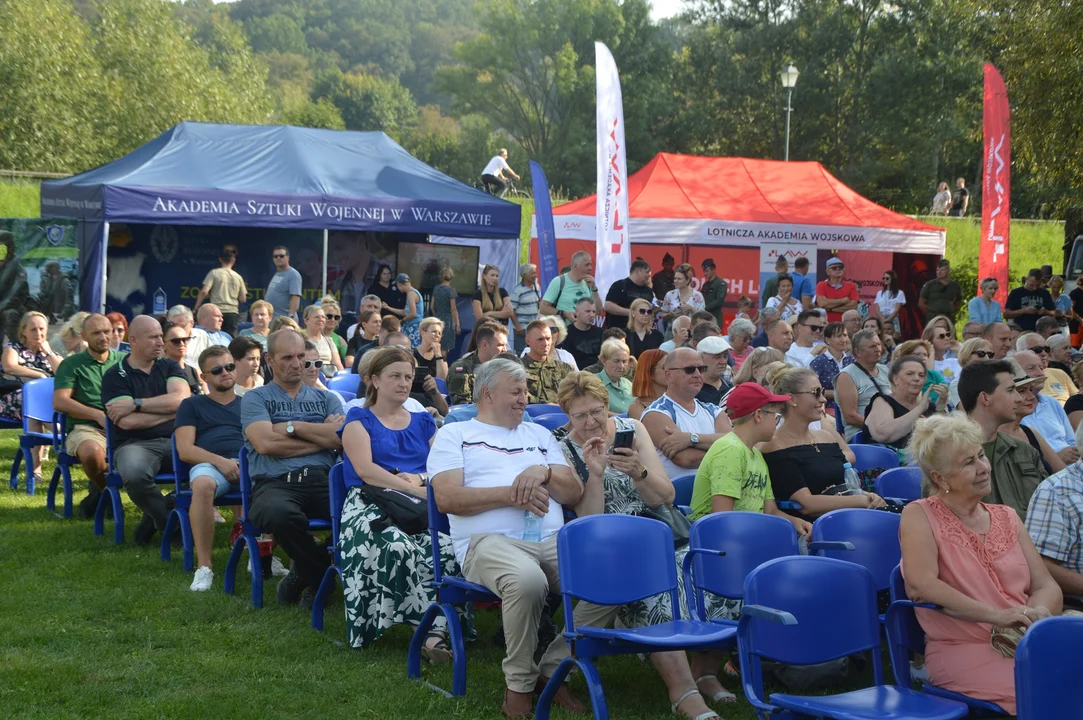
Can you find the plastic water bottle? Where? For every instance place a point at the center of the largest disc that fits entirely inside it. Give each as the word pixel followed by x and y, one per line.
pixel 531 526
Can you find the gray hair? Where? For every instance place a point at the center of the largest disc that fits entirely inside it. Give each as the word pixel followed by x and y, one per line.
pixel 741 327
pixel 525 268
pixel 180 315
pixel 488 374
pixel 1021 341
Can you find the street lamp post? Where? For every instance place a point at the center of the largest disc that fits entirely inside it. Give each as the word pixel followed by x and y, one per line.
pixel 789 79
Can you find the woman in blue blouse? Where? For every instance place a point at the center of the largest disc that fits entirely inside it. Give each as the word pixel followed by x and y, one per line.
pixel 385 572
pixel 984 308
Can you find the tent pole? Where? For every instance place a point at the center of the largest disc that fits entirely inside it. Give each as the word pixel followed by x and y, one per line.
pixel 324 263
pixel 105 261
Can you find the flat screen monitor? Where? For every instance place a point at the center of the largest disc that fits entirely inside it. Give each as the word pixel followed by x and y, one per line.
pixel 424 261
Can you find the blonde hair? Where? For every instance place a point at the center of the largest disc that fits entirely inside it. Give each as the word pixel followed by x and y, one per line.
pixel 27 317
pixel 936 441
pixel 758 358
pixel 261 305
pixel 633 309
pixel 581 384
pixel 611 346
pixel 971 346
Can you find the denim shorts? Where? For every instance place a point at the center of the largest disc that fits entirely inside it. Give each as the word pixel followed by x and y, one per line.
pixel 222 486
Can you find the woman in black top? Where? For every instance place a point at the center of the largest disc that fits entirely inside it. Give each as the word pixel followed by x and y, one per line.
pixel 805 463
pixel 392 301
pixel 890 419
pixel 641 333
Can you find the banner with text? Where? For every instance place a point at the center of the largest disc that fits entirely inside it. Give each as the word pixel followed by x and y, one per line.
pixel 613 247
pixel 40 269
pixel 996 184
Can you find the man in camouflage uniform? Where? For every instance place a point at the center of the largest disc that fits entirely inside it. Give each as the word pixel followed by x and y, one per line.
pixel 543 373
pixel 491 340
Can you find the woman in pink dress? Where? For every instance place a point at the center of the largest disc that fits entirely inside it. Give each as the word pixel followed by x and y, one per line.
pixel 976 561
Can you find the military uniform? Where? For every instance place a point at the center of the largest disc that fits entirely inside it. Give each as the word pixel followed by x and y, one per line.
pixel 460 380
pixel 543 378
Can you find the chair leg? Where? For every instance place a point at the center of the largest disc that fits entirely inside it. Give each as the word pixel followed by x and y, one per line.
pixel 545 700
pixel 413 655
pixel 327 584
pixel 166 551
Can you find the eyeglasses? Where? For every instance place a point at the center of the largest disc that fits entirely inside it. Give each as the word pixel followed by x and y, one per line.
pixel 692 369
pixel 815 328
pixel 333 317
pixel 1040 349
pixel 983 354
pixel 313 363
pixel 218 369
pixel 818 392
pixel 278 256
pixel 598 413
pixel 177 342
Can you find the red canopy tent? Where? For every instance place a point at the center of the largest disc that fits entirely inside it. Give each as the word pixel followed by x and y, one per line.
pixel 696 207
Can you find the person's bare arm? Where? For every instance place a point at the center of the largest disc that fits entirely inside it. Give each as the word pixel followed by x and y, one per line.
pixel 62 402
pixel 267 442
pixel 189 452
pixel 846 399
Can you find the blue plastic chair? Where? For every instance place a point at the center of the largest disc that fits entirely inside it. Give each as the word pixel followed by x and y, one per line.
pixel 682 488
pixel 337 482
pixel 536 410
pixel 902 483
pixel 551 421
pixel 450 590
pixel 874 457
pixel 905 636
pixel 178 516
pixel 345 383
pixel 806 610
pixel 113 485
pixel 249 539
pixel 64 464
pixel 592 556
pixel 37 405
pixel 874 535
pixel 1048 669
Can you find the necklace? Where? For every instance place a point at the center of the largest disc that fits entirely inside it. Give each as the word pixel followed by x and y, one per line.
pixel 802 441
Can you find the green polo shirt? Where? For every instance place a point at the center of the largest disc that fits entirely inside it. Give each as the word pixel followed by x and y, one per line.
pixel 620 393
pixel 82 374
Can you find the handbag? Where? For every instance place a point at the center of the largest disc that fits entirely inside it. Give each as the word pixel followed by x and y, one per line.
pixel 407 512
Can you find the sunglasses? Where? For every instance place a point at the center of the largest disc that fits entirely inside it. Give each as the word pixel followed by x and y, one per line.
pixel 218 369
pixel 278 256
pixel 313 363
pixel 818 392
pixel 333 317
pixel 983 354
pixel 692 369
pixel 177 342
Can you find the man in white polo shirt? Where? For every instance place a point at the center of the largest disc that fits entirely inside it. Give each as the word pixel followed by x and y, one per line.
pixel 502 483
pixel 682 427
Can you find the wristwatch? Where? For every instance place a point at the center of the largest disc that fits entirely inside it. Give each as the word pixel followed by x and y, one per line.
pixel 138 402
pixel 289 428
pixel 693 438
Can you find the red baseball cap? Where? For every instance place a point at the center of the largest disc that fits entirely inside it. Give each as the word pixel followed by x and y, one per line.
pixel 749 397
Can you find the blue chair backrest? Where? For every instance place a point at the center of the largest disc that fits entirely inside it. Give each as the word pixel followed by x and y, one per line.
pixel 538 409
pixel 902 482
pixel 748 539
pixel 438 523
pixel 441 385
pixel 869 457
pixel 874 534
pixel 839 424
pixel 593 553
pixel 552 421
pixel 37 402
pixel 682 487
pixel 345 383
pixel 834 603
pixel 1048 669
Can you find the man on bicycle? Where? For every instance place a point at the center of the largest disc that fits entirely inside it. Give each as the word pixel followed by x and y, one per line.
pixel 493 174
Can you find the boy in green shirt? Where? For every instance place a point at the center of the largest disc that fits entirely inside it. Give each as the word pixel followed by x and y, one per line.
pixel 733 474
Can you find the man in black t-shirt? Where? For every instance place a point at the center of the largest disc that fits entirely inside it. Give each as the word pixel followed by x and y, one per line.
pixel 619 299
pixel 1028 303
pixel 209 439
pixel 141 395
pixel 584 339
pixel 960 199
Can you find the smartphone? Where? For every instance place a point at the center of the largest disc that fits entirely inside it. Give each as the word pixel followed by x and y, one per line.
pixel 624 439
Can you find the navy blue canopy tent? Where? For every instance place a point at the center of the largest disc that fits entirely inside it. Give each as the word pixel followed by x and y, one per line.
pixel 204 174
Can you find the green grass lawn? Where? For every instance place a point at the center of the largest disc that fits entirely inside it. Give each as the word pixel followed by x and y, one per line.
pixel 94 630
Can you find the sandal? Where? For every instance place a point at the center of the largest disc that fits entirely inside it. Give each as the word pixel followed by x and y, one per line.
pixel 723 695
pixel 709 715
pixel 438 652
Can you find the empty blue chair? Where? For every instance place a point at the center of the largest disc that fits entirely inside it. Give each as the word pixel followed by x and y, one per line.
pixel 902 483
pixel 178 516
pixel 450 591
pixel 1048 670
pixel 874 457
pixel 538 409
pixel 905 636
pixel 806 610
pixel 874 535
pixel 64 464
pixel 249 539
pixel 337 482
pixel 37 405
pixel 441 385
pixel 552 421
pixel 592 556
pixel 682 488
pixel 348 382
pixel 113 485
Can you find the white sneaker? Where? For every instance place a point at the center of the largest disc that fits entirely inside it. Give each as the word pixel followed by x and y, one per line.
pixel 277 568
pixel 203 579
pixel 218 519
